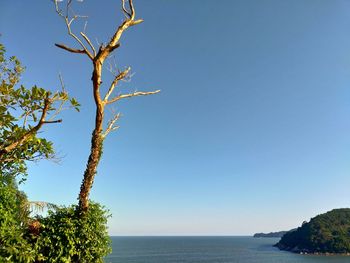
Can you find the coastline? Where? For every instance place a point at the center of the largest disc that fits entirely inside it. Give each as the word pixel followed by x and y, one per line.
pixel 296 250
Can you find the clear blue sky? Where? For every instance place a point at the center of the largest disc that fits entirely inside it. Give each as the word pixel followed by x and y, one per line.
pixel 251 131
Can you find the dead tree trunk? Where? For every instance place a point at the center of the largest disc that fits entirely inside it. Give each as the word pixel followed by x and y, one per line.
pixel 96 142
pixel 98 58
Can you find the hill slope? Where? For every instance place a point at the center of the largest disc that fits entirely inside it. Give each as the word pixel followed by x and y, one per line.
pixel 325 233
pixel 271 234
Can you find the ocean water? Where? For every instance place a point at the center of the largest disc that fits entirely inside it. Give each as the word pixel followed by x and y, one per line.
pixel 207 250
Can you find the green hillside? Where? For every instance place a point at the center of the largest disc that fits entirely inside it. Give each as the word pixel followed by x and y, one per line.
pixel 325 233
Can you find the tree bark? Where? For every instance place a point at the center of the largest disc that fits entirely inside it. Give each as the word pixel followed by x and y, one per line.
pixel 96 140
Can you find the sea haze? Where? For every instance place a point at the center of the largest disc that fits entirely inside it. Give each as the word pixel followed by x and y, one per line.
pixel 207 250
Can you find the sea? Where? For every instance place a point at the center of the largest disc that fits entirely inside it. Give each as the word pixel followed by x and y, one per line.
pixel 207 250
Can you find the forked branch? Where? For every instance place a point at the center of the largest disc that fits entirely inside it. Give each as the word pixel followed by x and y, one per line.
pixel 122 75
pixel 111 125
pixel 129 13
pixel 68 21
pixel 128 22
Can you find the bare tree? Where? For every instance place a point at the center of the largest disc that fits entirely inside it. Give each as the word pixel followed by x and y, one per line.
pixel 98 58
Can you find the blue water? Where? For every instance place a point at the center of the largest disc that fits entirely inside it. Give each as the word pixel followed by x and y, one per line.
pixel 207 250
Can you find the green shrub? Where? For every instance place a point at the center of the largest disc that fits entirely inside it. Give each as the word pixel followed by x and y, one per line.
pixel 15 245
pixel 62 236
pixel 65 236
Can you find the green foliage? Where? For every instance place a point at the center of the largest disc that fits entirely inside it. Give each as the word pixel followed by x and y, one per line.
pixel 14 244
pixel 22 113
pixel 62 236
pixel 326 233
pixel 65 236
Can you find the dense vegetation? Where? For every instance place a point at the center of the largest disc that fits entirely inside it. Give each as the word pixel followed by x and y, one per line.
pixel 15 245
pixel 64 235
pixel 325 233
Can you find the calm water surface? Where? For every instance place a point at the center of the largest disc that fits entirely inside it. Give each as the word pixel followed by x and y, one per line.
pixel 207 250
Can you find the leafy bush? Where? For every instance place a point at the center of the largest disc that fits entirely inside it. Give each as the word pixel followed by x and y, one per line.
pixel 65 236
pixel 62 236
pixel 14 243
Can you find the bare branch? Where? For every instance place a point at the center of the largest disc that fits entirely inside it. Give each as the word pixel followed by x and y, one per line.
pixel 68 23
pixel 89 42
pixel 111 126
pixel 70 49
pixel 131 13
pixel 58 10
pixel 132 9
pixel 135 94
pixel 125 11
pixel 114 41
pixel 85 25
pixel 61 82
pixel 117 35
pixel 60 107
pixel 119 77
pixel 55 121
pixel 69 2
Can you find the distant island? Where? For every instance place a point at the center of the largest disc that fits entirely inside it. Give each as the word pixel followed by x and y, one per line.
pixel 327 233
pixel 271 234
